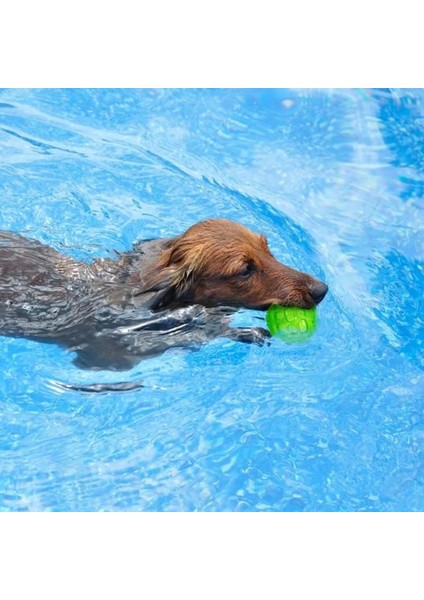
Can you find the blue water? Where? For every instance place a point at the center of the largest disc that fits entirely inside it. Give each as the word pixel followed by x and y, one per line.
pixel 335 179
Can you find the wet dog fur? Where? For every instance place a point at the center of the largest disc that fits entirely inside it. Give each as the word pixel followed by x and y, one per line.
pixel 163 293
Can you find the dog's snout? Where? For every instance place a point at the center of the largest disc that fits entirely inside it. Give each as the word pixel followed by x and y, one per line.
pixel 318 291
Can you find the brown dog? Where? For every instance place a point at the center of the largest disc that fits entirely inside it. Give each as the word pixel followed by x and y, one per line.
pixel 218 262
pixel 163 293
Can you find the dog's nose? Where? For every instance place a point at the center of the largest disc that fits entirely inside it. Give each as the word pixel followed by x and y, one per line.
pixel 318 291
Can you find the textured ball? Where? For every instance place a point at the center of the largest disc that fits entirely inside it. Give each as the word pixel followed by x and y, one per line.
pixel 291 325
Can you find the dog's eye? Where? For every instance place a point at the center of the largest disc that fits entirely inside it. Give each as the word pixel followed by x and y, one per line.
pixel 247 270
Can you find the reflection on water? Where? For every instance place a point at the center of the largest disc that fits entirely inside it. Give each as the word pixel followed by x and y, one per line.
pixel 334 178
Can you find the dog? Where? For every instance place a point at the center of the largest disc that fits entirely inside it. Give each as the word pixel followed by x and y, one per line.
pixel 163 293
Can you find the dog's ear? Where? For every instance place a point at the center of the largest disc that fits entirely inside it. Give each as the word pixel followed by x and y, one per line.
pixel 162 288
pixel 169 282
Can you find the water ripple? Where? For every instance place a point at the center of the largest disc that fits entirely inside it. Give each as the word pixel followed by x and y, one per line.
pixel 334 178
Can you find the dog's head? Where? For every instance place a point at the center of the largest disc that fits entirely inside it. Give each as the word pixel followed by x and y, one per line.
pixel 219 262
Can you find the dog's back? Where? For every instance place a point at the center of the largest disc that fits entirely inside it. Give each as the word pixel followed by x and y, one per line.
pixel 34 287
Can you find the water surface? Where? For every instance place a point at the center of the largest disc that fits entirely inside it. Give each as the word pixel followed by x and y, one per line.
pixel 334 178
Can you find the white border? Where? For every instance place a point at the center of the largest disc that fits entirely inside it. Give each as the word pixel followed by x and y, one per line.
pixel 211 44
pixel 202 556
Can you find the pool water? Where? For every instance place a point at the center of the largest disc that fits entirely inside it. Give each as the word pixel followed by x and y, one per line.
pixel 335 179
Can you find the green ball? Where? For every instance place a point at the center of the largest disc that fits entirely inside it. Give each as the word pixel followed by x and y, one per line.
pixel 290 324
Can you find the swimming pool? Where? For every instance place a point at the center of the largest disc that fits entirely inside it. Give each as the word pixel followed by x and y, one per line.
pixel 334 178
